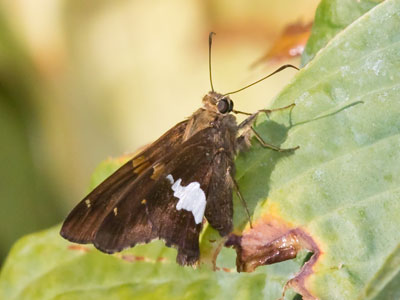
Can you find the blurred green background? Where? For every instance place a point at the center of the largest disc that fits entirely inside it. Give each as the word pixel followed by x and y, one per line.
pixel 81 81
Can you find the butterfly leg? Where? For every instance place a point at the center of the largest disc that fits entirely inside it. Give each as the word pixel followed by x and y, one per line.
pixel 247 129
pixel 252 117
pixel 239 194
pixel 268 111
pixel 270 146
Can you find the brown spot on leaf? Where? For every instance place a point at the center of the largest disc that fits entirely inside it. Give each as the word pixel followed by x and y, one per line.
pixel 227 270
pixel 161 259
pixel 78 248
pixel 271 241
pixel 133 258
pixel 136 258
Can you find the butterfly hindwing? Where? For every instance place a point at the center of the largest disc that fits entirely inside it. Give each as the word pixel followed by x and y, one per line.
pixel 219 210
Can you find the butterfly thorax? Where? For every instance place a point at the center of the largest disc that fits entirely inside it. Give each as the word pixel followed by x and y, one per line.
pixel 215 113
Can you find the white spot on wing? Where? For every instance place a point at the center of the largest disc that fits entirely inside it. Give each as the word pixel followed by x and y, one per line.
pixel 191 198
pixel 170 178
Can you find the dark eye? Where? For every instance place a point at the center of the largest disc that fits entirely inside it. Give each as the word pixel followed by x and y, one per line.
pixel 225 105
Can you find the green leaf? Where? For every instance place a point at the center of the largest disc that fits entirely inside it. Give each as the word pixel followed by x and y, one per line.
pixel 44 266
pixel 341 188
pixel 332 16
pixel 342 185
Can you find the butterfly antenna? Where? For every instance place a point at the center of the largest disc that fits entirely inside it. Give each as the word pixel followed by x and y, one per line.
pixel 209 58
pixel 269 75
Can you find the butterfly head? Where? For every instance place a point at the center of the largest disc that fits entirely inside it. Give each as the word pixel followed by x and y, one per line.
pixel 218 103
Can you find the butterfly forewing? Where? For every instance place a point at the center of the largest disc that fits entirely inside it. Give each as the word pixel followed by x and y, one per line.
pixel 82 223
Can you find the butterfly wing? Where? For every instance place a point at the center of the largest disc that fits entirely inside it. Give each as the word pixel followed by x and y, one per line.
pixel 84 220
pixel 219 210
pixel 148 208
pixel 128 209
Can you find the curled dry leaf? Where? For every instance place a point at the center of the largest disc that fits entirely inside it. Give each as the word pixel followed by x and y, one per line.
pixel 290 43
pixel 271 240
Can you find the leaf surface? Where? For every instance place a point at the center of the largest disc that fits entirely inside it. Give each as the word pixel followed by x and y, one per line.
pixel 342 186
pixel 332 16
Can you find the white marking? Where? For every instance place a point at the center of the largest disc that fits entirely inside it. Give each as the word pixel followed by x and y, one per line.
pixel 170 178
pixel 191 198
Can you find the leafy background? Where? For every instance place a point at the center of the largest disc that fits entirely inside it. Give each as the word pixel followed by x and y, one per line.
pixel 340 187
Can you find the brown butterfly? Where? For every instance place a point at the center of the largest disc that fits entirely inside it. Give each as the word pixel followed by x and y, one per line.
pixel 166 190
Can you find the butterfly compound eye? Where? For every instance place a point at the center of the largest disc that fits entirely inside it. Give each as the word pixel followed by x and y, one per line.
pixel 225 105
